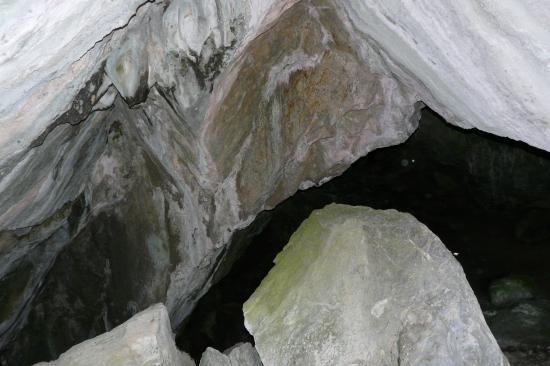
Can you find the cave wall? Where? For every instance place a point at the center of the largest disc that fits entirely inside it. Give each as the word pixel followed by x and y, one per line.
pixel 140 135
pixel 136 201
pixel 478 63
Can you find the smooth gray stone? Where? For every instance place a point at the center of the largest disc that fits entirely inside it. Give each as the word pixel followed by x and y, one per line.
pixel 220 132
pixel 163 127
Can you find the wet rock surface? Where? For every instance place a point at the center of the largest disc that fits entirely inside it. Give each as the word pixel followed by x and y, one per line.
pixel 148 127
pixel 523 325
pixel 357 285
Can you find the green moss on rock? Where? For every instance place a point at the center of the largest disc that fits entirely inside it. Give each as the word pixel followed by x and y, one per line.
pixel 358 286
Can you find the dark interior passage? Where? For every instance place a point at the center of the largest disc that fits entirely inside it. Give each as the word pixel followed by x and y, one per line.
pixel 487 198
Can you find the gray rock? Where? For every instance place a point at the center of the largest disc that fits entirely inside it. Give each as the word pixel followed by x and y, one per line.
pixel 367 287
pixel 145 339
pixel 243 354
pixel 236 105
pixel 439 48
pixel 218 132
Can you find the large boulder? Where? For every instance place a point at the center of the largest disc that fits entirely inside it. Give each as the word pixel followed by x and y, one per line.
pixel 366 287
pixel 145 339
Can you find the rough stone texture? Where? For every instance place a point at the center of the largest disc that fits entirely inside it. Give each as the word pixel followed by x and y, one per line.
pixel 145 339
pixel 47 55
pixel 479 63
pixel 51 50
pixel 160 127
pixel 368 287
pixel 229 116
pixel 241 355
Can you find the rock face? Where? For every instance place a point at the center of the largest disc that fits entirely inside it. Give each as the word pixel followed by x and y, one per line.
pixel 145 339
pixel 160 127
pixel 366 287
pixel 190 130
pixel 240 355
pixel 478 63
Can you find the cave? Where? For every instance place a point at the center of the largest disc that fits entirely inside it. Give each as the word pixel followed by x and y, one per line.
pixel 486 197
pixel 274 182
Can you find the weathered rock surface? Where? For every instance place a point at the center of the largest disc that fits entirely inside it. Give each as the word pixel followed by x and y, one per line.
pixel 478 63
pixel 161 127
pixel 360 286
pixel 241 355
pixel 221 126
pixel 145 339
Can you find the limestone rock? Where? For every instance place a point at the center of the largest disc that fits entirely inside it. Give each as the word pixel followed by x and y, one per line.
pixel 201 123
pixel 478 63
pixel 366 287
pixel 241 355
pixel 146 339
pixel 162 127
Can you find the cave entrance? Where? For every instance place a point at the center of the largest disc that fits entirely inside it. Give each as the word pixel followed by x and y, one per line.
pixel 487 198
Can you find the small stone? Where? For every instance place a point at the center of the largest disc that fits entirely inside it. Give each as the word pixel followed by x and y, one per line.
pixel 511 290
pixel 242 354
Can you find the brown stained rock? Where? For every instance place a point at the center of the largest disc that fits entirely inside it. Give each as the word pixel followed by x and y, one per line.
pixel 302 107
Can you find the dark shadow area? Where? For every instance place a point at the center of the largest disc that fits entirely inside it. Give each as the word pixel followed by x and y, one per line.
pixel 487 198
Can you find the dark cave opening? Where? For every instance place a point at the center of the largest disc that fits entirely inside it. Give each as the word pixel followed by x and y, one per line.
pixel 486 197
